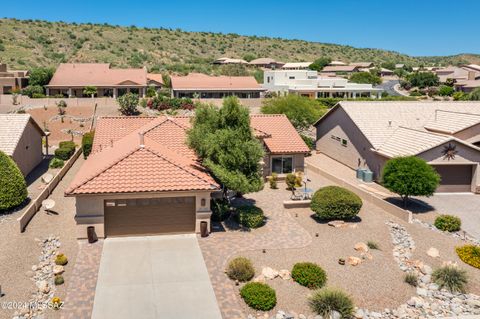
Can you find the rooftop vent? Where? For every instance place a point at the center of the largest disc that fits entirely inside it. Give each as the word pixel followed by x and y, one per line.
pixel 142 139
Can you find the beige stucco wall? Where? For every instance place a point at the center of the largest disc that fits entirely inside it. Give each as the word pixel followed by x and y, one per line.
pixel 298 162
pixel 90 209
pixel 28 153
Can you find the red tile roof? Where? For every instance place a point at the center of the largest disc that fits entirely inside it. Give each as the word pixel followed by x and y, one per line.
pixel 118 164
pixel 96 74
pixel 197 81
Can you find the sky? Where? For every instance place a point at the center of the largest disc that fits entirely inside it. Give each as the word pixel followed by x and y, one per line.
pixel 414 27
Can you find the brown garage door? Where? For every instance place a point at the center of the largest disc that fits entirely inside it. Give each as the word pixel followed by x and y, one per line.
pixel 455 178
pixel 149 216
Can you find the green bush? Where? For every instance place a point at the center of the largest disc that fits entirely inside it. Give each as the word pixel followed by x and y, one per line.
pixel 87 142
pixel 128 104
pixel 259 296
pixel 445 90
pixel 250 216
pixel 220 209
pixel 309 141
pixel 63 153
pixel 59 280
pixel 291 180
pixel 325 301
pixel 61 260
pixel 469 254
pixel 411 279
pixel 450 277
pixel 240 269
pixel 334 202
pixel 372 245
pixel 56 163
pixel 448 223
pixel 273 181
pixel 309 275
pixel 13 188
pixel 67 144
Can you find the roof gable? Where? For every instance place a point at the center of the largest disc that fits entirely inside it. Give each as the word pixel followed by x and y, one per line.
pixel 12 127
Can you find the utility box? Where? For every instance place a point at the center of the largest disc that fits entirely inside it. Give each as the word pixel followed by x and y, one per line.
pixel 360 173
pixel 367 176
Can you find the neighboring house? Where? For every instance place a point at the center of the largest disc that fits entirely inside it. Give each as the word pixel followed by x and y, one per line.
pixel 386 72
pixel 70 79
pixel 21 139
pixel 337 63
pixel 445 134
pixel 142 179
pixel 12 79
pixel 309 83
pixel 266 63
pixel 399 66
pixel 363 65
pixel 466 78
pixel 229 61
pixel 340 69
pixel 196 85
pixel 467 86
pixel 296 66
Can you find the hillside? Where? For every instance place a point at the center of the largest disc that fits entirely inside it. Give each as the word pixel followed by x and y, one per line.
pixel 30 43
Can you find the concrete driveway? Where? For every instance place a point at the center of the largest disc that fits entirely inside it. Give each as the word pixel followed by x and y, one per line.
pixel 154 277
pixel 463 205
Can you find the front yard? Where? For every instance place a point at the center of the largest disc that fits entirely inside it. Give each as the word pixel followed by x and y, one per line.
pixel 292 235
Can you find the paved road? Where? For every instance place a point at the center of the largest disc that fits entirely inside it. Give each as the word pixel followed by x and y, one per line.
pixel 154 277
pixel 387 86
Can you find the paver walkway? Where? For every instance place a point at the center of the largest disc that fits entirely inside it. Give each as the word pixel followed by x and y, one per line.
pixel 81 288
pixel 280 232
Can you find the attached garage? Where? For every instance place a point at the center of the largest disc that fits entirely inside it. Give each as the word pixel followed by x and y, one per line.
pixel 149 216
pixel 455 178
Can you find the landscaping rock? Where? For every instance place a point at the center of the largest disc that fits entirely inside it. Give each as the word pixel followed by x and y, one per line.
pixel 433 252
pixel 285 274
pixel 361 247
pixel 260 278
pixel 57 269
pixel 336 223
pixel 354 261
pixel 269 273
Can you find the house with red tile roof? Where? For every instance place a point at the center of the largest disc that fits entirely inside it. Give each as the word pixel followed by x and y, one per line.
pixel 215 87
pixel 142 179
pixel 71 78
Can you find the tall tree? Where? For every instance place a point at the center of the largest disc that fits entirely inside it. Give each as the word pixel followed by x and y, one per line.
pixel 40 76
pixel 223 139
pixel 320 63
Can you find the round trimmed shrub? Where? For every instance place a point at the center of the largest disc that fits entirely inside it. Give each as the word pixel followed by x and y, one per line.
pixel 259 296
pixel 469 254
pixel 59 280
pixel 240 269
pixel 56 163
pixel 309 275
pixel 450 277
pixel 327 300
pixel 13 188
pixel 448 223
pixel 334 202
pixel 250 216
pixel 61 260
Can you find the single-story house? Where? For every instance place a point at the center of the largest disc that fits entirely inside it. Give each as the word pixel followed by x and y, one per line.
pixel 340 69
pixel 142 179
pixel 266 63
pixel 296 65
pixel 12 79
pixel 223 61
pixel 445 134
pixel 386 72
pixel 21 139
pixel 197 85
pixel 364 65
pixel 70 79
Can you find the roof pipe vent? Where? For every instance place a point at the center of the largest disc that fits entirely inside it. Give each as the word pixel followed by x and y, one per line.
pixel 389 123
pixel 142 139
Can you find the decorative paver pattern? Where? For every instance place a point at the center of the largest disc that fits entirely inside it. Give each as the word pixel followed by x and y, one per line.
pixel 81 288
pixel 281 231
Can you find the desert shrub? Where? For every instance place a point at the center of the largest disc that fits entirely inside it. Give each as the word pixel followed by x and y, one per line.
pixel 309 275
pixel 445 90
pixel 13 188
pixel 372 245
pixel 32 90
pixel 63 153
pixel 411 279
pixel 38 96
pixel 325 301
pixel 56 163
pixel 128 104
pixel 259 296
pixel 220 209
pixel 67 144
pixel 450 277
pixel 460 96
pixel 61 260
pixel 469 254
pixel 87 142
pixel 291 180
pixel 448 223
pixel 59 280
pixel 240 269
pixel 273 181
pixel 334 202
pixel 250 216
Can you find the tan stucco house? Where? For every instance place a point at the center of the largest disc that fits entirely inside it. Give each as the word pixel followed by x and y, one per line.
pixel 21 139
pixel 70 79
pixel 367 134
pixel 11 80
pixel 142 178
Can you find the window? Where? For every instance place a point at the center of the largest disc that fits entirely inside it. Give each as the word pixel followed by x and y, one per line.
pixel 291 78
pixel 344 143
pixel 282 165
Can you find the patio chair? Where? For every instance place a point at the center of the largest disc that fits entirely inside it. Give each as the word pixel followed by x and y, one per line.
pixel 296 195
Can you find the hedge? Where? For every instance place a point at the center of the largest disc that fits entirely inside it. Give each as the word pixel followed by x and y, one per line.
pixel 334 202
pixel 469 254
pixel 250 216
pixel 65 150
pixel 13 188
pixel 259 296
pixel 87 142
